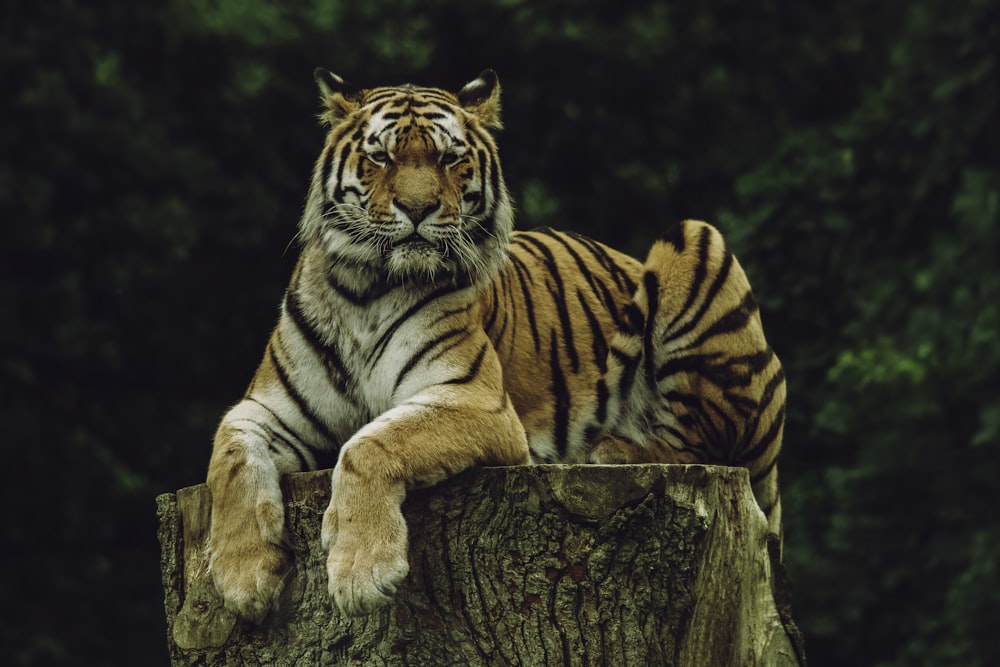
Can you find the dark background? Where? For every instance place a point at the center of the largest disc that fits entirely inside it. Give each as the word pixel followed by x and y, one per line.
pixel 154 158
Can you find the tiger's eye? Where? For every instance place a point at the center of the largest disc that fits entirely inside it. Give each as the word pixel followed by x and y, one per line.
pixel 381 158
pixel 449 158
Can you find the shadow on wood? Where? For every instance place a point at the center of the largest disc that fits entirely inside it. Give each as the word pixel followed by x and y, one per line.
pixel 534 565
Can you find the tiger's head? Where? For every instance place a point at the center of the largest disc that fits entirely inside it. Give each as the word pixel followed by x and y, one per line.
pixel 409 185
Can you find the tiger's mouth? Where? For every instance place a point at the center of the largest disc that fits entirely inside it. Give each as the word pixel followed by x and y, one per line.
pixel 416 242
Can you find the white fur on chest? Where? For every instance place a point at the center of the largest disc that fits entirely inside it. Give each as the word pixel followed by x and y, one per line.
pixel 373 346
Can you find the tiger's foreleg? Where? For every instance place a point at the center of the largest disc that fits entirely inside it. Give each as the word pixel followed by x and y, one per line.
pixel 433 435
pixel 247 554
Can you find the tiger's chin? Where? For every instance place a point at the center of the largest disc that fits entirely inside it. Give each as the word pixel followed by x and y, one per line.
pixel 419 262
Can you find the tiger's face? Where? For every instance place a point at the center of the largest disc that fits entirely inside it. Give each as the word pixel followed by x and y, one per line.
pixel 409 183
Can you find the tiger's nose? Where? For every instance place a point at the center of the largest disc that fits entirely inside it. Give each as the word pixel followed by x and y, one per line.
pixel 417 209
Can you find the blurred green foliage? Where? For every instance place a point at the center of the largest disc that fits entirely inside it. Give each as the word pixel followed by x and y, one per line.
pixel 153 162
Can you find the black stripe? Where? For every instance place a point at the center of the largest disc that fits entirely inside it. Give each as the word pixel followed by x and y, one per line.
pixel 329 211
pixel 508 315
pixel 601 409
pixel 481 154
pixel 433 100
pixel 762 474
pixel 598 343
pixel 700 273
pixel 390 331
pixel 359 173
pixel 440 128
pixel 585 270
pixel 730 426
pixel 769 437
pixel 621 276
pixel 523 276
pixel 336 137
pixel 709 299
pixel 380 96
pixel 560 426
pixel 734 320
pixel 492 319
pixel 696 417
pixel 484 228
pixel 629 365
pixel 325 170
pixel 495 175
pixel 715 367
pixel 740 371
pixel 447 348
pixel 674 235
pixel 412 362
pixel 309 449
pixel 293 308
pixel 690 401
pixel 634 320
pixel 274 415
pixel 398 99
pixel 692 363
pixel 473 370
pixel 274 436
pixel 337 372
pixel 744 406
pixel 559 297
pixel 362 298
pixel 680 436
pixel 509 310
pixel 445 314
pixel 340 191
pixel 264 431
pixel 298 399
pixel 652 285
pixel 614 306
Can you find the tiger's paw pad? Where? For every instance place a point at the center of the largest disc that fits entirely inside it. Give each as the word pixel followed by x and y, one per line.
pixel 360 583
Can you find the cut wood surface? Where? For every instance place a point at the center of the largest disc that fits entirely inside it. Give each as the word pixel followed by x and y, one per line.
pixel 534 565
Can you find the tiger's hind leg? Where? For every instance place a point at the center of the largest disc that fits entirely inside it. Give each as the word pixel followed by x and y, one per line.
pixel 695 377
pixel 614 449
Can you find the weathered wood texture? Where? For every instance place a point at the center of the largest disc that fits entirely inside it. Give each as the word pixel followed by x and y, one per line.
pixel 539 565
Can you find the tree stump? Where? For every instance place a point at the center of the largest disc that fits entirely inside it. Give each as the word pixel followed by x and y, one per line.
pixel 535 565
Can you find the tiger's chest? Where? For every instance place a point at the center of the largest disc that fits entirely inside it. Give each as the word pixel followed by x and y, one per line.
pixel 376 355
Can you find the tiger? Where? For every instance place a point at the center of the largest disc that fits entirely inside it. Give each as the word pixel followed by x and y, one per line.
pixel 420 336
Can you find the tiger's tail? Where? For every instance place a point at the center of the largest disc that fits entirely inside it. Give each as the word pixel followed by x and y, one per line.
pixel 697 380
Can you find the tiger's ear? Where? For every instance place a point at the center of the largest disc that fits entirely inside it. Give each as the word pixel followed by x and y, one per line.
pixel 481 98
pixel 338 97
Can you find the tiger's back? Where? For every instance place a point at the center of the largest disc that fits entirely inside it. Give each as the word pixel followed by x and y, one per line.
pixel 551 314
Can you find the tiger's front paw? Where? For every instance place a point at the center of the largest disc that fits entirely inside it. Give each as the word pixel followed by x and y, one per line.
pixel 367 559
pixel 248 561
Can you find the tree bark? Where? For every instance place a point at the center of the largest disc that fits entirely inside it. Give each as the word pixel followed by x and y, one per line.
pixel 534 565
